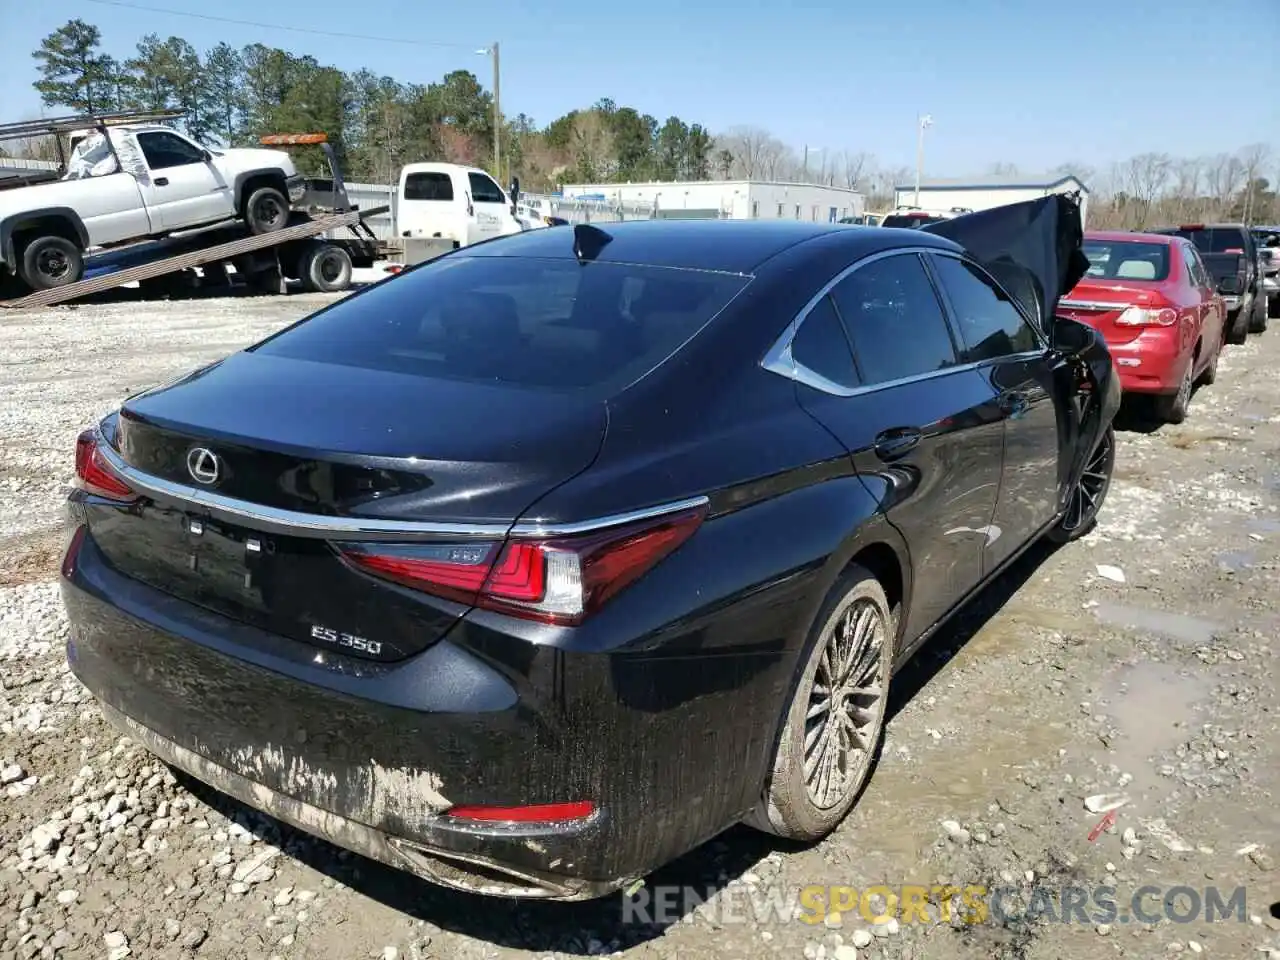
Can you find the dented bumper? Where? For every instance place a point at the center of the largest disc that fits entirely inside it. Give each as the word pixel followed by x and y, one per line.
pixel 371 756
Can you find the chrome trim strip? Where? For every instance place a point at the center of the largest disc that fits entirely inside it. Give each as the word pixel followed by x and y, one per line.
pixel 779 359
pixel 540 528
pixel 1091 305
pixel 298 524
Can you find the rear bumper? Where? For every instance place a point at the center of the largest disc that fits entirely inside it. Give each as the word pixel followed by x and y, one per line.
pixel 1153 362
pixel 371 756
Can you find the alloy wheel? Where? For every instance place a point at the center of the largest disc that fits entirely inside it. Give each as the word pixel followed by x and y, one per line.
pixel 1086 498
pixel 846 705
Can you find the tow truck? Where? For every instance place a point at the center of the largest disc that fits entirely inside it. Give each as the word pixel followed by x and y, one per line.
pixel 319 250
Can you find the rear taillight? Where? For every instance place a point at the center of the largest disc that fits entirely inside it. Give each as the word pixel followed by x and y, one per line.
pixel 93 475
pixel 1147 317
pixel 557 580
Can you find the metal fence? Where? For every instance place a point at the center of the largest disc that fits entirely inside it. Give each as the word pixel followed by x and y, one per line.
pixel 572 209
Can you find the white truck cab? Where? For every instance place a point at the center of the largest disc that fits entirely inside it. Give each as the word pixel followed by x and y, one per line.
pixel 448 201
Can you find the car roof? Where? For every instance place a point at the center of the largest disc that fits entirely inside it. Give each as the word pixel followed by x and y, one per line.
pixel 729 246
pixel 1121 235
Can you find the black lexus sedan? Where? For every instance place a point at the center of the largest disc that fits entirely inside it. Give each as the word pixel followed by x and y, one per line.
pixel 535 566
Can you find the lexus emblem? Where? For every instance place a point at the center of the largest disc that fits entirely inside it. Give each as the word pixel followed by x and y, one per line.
pixel 203 465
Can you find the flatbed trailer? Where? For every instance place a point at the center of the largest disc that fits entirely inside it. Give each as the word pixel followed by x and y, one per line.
pixel 320 251
pixel 305 251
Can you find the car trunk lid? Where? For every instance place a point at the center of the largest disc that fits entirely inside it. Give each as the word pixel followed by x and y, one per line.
pixel 1032 247
pixel 1103 305
pixel 255 469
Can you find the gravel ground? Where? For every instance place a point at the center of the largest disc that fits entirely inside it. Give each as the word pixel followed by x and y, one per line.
pixel 1136 662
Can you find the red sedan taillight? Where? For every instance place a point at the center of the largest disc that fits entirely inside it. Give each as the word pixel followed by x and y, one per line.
pixel 93 475
pixel 1147 317
pixel 558 580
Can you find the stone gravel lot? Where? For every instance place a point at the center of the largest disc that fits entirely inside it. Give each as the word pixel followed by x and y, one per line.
pixel 1137 662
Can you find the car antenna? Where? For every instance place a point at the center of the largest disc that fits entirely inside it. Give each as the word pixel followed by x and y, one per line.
pixel 588 241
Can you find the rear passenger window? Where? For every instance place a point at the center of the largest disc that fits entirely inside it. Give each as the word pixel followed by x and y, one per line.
pixel 821 346
pixel 989 323
pixel 894 320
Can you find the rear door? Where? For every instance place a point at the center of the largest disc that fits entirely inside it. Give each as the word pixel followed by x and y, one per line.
pixel 1019 368
pixel 879 367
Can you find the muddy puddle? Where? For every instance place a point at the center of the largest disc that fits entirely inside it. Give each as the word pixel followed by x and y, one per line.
pixel 1153 707
pixel 1178 627
pixel 1234 561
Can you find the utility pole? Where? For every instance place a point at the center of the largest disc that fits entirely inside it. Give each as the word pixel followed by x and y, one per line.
pixel 497 110
pixel 922 122
pixel 497 117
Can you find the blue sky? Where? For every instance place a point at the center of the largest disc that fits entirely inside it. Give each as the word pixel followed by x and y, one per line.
pixel 1027 82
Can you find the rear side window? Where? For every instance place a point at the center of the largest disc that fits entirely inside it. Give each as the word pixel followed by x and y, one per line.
pixel 820 345
pixel 428 186
pixel 894 320
pixel 989 323
pixel 539 324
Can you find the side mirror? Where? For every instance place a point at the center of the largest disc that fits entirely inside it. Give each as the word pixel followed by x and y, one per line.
pixel 515 194
pixel 1229 286
pixel 208 157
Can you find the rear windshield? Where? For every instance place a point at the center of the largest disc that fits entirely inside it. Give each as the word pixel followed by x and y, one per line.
pixel 428 186
pixel 542 324
pixel 1127 260
pixel 897 220
pixel 1214 240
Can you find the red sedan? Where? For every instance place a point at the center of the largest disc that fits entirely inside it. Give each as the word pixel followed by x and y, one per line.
pixel 1154 303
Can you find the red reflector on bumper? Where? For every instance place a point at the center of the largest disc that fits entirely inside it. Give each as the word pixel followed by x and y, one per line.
pixel 543 813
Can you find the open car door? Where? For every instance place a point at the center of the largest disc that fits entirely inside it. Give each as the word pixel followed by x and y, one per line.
pixel 1035 250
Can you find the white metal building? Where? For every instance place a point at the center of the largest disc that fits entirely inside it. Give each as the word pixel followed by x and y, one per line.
pixel 729 199
pixel 983 193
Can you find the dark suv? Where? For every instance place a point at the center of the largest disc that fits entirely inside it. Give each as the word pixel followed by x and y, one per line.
pixel 1217 243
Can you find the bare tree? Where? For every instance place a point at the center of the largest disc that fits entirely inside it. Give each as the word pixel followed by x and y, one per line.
pixel 756 154
pixel 1185 191
pixel 1253 159
pixel 1146 177
pixel 592 145
pixel 1223 180
pixel 1002 169
pixel 855 166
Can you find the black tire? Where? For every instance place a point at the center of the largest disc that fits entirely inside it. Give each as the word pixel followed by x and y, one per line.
pixel 1238 329
pixel 1173 407
pixel 790 805
pixel 1210 372
pixel 49 262
pixel 1258 323
pixel 1090 493
pixel 326 269
pixel 266 211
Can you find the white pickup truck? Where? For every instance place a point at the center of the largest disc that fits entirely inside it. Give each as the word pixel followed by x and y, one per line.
pixel 137 182
pixel 450 202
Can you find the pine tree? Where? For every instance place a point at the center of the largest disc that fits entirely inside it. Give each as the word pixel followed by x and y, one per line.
pixel 73 70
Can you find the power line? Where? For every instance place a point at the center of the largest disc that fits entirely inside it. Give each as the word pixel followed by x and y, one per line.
pixel 278 26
